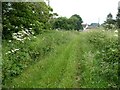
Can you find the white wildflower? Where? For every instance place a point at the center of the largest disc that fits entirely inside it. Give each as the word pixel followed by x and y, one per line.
pixel 8 52
pixel 22 27
pixel 14 37
pixel 16 27
pixel 26 30
pixel 14 34
pixel 16 49
pixel 9 4
pixel 116 31
pixel 9 41
pixel 32 32
pixel 19 33
pixel 30 28
pixel 19 39
pixel 116 35
pixel 12 51
pixel 34 36
pixel 33 11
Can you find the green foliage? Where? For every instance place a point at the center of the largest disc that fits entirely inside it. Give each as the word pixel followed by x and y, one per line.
pixel 107 54
pixel 17 55
pixel 60 23
pixel 62 59
pixel 118 18
pixel 77 20
pixel 110 23
pixel 73 23
pixel 18 16
pixel 56 69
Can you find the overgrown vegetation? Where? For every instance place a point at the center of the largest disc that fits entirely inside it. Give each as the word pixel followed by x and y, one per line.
pixel 34 18
pixel 111 23
pixel 42 50
pixel 106 55
pixel 93 55
pixel 21 16
pixel 17 56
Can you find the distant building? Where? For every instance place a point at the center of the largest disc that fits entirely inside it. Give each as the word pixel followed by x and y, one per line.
pixel 93 25
pixel 84 26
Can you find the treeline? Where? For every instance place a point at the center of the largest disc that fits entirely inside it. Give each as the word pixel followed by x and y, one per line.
pixel 33 18
pixel 72 23
pixel 111 23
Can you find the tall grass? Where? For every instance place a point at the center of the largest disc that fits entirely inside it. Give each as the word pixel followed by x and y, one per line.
pixel 18 56
pixel 62 59
pixel 99 66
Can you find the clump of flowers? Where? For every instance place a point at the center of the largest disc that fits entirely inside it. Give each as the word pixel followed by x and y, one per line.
pixel 23 35
pixel 12 51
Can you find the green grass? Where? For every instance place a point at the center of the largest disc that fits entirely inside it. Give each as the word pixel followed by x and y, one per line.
pixel 58 67
pixel 29 53
pixel 65 59
pixel 89 78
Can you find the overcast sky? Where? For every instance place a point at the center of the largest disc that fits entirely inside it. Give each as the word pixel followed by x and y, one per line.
pixel 90 10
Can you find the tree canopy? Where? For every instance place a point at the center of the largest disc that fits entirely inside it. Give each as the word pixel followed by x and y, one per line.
pixel 33 17
pixel 19 16
pixel 118 18
pixel 110 23
pixel 72 23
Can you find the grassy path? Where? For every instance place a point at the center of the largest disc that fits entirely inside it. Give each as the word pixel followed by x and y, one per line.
pixel 55 71
pixel 87 65
pixel 72 65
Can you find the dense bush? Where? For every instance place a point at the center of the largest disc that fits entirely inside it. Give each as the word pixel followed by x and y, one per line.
pixel 107 54
pixel 18 16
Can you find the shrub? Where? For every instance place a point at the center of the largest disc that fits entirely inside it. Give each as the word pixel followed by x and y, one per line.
pixel 17 55
pixel 107 54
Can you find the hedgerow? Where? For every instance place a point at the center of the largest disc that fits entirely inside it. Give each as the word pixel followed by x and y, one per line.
pixel 18 55
pixel 106 54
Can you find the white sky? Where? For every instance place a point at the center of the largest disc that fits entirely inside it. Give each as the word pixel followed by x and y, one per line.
pixel 90 10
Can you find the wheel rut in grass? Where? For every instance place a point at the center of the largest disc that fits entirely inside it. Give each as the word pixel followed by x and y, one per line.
pixel 57 70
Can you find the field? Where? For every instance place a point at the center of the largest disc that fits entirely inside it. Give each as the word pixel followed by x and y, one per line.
pixel 62 59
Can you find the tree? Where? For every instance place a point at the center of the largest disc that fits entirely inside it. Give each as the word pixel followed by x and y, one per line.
pixel 109 16
pixel 60 23
pixel 110 19
pixel 73 23
pixel 110 23
pixel 77 21
pixel 20 16
pixel 118 16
